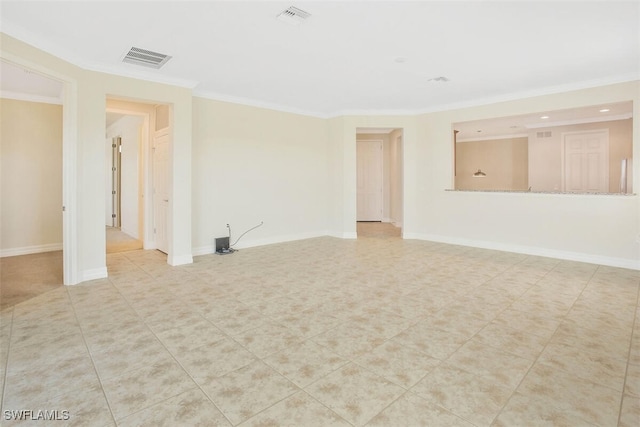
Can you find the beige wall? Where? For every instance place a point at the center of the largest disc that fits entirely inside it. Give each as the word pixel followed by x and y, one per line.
pixel 601 229
pixel 31 177
pixel 252 164
pixel 297 174
pixel 505 161
pixel 85 96
pixel 342 170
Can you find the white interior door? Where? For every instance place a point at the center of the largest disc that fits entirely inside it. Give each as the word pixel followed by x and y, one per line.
pixel 369 181
pixel 161 188
pixel 586 161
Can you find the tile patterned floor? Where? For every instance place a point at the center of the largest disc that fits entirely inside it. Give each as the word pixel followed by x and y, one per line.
pixel 374 331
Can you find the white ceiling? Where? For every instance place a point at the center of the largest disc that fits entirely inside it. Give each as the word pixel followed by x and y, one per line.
pixel 348 57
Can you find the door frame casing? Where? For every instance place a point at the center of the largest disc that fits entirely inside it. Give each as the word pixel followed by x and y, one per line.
pixel 157 134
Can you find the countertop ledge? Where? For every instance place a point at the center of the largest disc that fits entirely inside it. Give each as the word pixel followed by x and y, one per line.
pixel 541 192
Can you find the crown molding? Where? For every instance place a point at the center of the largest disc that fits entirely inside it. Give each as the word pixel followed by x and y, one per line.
pixel 19 96
pixel 580 121
pixel 533 93
pixel 257 103
pixel 494 138
pixel 364 112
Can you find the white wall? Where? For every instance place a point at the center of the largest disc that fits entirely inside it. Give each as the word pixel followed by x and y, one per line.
pixel 129 129
pixel 252 165
pixel 30 177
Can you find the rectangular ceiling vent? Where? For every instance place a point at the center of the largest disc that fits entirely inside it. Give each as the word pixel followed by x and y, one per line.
pixel 145 58
pixel 545 134
pixel 293 15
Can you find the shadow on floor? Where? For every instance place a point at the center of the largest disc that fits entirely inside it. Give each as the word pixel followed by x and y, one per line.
pixel 380 230
pixel 119 241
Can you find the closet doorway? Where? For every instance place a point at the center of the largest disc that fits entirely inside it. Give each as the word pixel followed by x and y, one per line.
pixel 379 182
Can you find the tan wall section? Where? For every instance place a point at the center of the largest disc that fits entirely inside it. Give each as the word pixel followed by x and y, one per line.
pixel 505 161
pixel 31 176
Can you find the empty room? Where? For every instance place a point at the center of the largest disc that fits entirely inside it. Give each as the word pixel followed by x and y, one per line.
pixel 304 213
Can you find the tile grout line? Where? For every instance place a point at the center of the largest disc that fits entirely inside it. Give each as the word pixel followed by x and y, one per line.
pixel 6 363
pixel 167 349
pixel 515 390
pixel 636 323
pixel 84 340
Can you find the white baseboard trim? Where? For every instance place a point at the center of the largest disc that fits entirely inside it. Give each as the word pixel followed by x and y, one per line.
pixel 281 239
pixel 180 260
pixel 530 250
pixel 203 250
pixel 28 250
pixel 343 235
pixel 210 249
pixel 131 233
pixel 93 274
pixel 387 220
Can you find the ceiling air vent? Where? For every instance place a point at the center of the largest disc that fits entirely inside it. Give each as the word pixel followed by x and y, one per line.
pixel 293 15
pixel 145 58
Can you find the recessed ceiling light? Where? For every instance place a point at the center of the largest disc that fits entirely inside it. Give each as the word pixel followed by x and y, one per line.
pixel 544 117
pixel 604 110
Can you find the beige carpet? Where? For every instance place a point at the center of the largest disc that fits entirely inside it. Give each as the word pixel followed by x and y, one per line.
pixel 26 276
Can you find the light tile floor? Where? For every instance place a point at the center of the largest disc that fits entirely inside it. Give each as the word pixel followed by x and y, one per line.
pixel 374 331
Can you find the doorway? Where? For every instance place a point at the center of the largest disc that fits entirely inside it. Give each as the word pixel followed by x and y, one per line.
pixel 127 131
pixel 137 175
pixel 379 182
pixel 32 145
